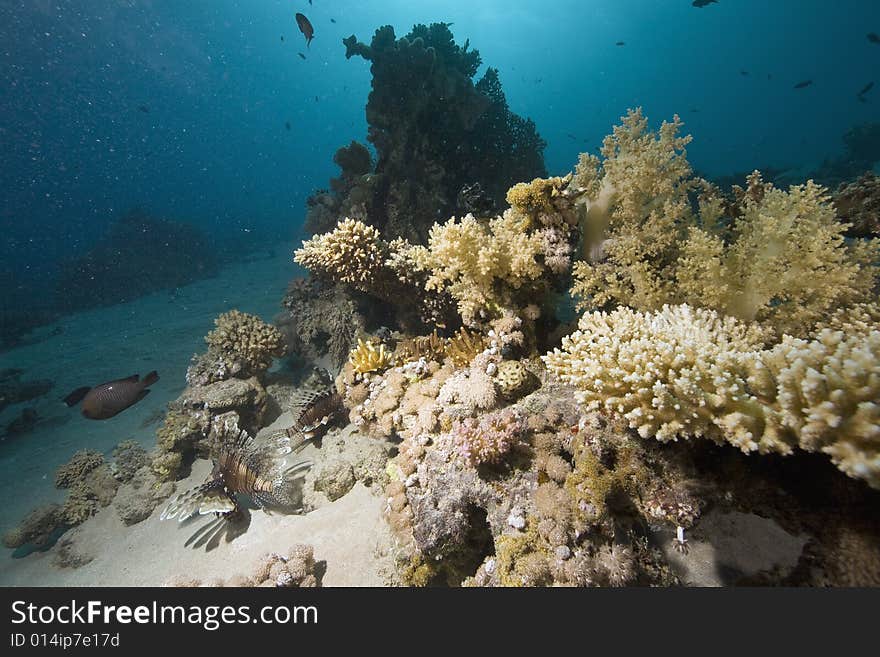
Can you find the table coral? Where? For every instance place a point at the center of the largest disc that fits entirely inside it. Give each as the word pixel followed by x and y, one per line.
pixel 680 372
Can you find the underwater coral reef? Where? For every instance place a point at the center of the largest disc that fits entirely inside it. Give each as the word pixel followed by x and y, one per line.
pixel 576 380
pixel 745 316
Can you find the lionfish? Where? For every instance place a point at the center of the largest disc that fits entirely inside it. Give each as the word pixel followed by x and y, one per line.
pixel 236 471
pixel 312 410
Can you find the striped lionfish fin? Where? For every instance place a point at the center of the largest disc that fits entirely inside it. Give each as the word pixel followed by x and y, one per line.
pixel 186 504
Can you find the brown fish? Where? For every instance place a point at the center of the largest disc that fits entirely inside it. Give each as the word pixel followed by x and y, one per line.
pixel 106 400
pixel 305 27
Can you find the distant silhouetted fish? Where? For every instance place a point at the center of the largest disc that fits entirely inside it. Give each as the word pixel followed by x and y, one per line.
pixel 803 85
pixel 306 28
pixel 106 400
pixel 144 109
pixel 873 38
pixel 332 20
pixel 866 89
pixel 703 3
pixel 287 124
pixel 620 43
pixel 282 37
pixel 301 55
pixel 744 73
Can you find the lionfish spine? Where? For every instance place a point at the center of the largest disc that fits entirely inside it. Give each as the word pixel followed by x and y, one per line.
pixel 317 411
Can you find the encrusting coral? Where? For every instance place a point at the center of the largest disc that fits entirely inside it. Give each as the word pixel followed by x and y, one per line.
pixel 36 528
pixel 80 464
pixel 682 372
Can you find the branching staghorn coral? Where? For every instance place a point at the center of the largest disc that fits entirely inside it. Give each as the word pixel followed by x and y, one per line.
pixel 681 372
pixel 353 253
pixel 782 261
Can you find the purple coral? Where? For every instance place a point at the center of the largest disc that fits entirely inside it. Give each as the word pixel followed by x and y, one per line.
pixel 489 438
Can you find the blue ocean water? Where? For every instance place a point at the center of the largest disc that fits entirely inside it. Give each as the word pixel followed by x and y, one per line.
pixel 205 112
pixel 181 107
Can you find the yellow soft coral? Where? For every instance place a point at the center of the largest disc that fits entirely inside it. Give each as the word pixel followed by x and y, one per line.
pixel 367 357
pixel 783 263
pixel 786 266
pixel 635 202
pixel 536 196
pixel 470 257
pixel 682 372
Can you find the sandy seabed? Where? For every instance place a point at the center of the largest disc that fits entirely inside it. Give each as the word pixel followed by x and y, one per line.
pixel 160 331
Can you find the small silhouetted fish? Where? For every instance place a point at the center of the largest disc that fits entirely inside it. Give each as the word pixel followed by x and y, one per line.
pixel 287 124
pixel 144 109
pixel 866 89
pixel 703 3
pixel 769 76
pixel 873 38
pixel 106 400
pixel 332 20
pixel 316 99
pixel 620 43
pixel 571 136
pixel 301 55
pixel 306 28
pixel 744 73
pixel 282 37
pixel 803 85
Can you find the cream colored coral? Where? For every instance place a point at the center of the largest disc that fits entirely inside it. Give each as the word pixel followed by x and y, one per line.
pixel 470 257
pixel 352 253
pixel 681 372
pixel 786 265
pixel 246 338
pixel 634 201
pixel 784 262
